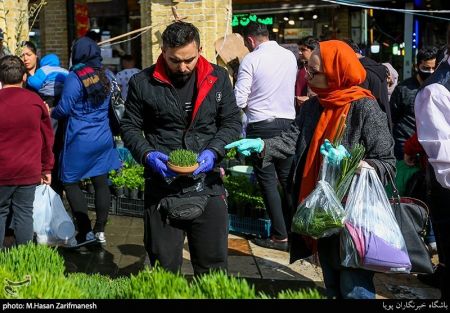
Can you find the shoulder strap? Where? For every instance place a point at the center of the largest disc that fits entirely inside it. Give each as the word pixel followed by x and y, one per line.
pixel 395 193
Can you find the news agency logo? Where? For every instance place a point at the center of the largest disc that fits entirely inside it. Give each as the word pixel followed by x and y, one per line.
pixel 11 287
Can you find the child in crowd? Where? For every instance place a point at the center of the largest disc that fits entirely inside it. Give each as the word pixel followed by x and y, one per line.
pixel 49 79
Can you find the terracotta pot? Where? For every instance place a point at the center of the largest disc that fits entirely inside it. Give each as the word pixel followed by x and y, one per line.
pixel 182 170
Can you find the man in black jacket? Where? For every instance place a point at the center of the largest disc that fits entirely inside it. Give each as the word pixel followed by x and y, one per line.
pixel 402 99
pixel 376 79
pixel 182 102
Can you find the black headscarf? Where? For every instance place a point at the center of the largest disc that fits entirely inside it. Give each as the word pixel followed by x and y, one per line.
pixel 87 64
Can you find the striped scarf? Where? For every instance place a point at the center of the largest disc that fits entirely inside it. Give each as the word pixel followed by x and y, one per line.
pixel 95 90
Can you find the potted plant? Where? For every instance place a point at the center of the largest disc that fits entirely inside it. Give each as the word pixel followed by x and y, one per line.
pixel 182 161
pixel 119 184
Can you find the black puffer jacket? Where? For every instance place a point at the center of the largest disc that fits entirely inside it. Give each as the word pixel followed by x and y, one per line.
pixel 155 121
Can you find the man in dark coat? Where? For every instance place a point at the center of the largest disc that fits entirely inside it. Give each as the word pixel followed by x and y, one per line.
pixel 402 99
pixel 182 102
pixel 376 79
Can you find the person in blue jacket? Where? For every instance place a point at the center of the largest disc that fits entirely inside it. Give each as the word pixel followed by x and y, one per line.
pixel 48 82
pixel 88 150
pixel 49 79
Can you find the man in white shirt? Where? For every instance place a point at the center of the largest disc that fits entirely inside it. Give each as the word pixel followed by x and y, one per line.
pixel 432 110
pixel 129 69
pixel 265 90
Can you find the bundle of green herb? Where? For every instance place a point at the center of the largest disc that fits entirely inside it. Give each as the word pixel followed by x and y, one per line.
pixel 348 165
pixel 348 169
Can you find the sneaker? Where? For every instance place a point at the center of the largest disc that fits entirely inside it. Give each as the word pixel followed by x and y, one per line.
pixel 272 244
pixel 90 236
pixel 100 237
pixel 81 240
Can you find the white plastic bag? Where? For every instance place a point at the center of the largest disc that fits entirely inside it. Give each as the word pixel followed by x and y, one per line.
pixel 42 214
pixel 372 238
pixel 51 222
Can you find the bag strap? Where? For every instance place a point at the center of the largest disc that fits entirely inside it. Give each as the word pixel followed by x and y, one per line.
pixel 395 193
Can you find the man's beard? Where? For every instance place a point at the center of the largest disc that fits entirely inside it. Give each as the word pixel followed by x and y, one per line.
pixel 180 79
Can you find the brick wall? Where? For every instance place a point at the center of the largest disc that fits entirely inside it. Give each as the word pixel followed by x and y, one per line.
pixel 14 22
pixel 209 16
pixel 53 26
pixel 343 23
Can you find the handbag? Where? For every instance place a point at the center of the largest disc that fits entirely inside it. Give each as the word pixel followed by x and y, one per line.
pixel 412 218
pixel 182 208
pixel 116 109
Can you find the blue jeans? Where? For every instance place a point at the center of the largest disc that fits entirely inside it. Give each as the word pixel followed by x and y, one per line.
pixel 343 282
pixel 20 200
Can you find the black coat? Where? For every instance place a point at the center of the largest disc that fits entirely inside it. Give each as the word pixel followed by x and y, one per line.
pixel 376 82
pixel 403 116
pixel 154 120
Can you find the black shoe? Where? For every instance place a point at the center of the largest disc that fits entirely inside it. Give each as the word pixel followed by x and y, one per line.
pixel 271 244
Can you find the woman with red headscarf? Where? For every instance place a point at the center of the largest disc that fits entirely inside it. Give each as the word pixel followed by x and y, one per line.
pixel 333 73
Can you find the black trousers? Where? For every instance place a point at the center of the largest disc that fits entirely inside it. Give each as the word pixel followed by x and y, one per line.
pixel 207 238
pixel 19 200
pixel 279 210
pixel 439 202
pixel 78 204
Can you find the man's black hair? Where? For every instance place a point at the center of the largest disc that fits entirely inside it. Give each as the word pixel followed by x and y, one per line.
pixel 426 54
pixel 12 70
pixel 255 29
pixel 179 34
pixel 309 41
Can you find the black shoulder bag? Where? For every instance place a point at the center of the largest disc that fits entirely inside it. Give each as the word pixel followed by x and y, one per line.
pixel 412 218
pixel 188 204
pixel 116 108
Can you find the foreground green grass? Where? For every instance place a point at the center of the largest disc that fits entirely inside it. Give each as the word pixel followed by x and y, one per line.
pixel 37 272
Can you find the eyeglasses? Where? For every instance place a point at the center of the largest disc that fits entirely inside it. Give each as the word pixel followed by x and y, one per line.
pixel 311 73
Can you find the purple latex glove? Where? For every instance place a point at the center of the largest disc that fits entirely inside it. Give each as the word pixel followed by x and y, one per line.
pixel 206 160
pixel 157 161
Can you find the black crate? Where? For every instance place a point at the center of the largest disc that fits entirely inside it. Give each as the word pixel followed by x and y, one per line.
pixel 90 198
pixel 130 207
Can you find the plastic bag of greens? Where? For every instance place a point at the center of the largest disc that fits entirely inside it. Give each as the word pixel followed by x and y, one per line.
pixel 320 214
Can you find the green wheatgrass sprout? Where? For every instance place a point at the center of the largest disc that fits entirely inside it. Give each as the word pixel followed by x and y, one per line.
pixel 183 158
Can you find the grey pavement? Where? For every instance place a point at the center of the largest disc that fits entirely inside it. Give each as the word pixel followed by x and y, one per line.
pixel 269 270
